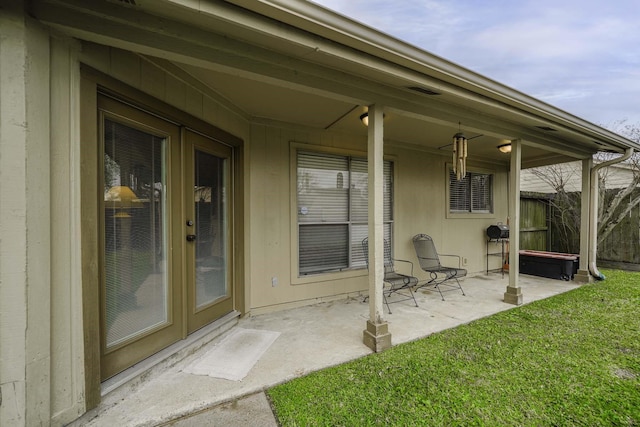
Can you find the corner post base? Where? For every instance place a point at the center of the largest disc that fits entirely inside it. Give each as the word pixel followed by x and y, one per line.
pixel 513 295
pixel 377 336
pixel 583 277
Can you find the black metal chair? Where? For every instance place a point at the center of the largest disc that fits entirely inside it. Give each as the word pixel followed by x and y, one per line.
pixel 398 283
pixel 429 260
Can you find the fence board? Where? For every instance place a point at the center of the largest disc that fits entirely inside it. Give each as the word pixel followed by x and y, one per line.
pixel 533 224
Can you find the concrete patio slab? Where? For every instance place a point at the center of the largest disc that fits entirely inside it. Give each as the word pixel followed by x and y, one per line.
pixel 253 410
pixel 311 338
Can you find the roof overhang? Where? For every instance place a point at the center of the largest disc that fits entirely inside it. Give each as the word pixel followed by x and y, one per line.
pixel 332 63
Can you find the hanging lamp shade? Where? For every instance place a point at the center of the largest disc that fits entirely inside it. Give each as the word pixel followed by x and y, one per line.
pixel 505 148
pixel 460 155
pixel 364 117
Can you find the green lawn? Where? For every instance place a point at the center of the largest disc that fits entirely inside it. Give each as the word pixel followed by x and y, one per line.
pixel 570 360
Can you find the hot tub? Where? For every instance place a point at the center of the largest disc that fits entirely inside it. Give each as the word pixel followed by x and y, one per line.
pixel 553 265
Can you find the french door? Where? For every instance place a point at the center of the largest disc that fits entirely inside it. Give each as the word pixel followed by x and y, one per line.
pixel 166 234
pixel 208 230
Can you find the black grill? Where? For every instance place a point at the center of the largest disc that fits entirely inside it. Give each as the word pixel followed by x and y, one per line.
pixel 498 231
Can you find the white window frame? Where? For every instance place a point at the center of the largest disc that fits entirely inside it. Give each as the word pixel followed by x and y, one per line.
pixel 350 271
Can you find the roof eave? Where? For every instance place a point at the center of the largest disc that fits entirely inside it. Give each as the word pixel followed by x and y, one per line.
pixel 316 19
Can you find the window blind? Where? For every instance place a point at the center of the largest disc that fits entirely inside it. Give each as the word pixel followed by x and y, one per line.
pixel 323 188
pixel 323 247
pixel 481 193
pixel 459 194
pixel 332 202
pixel 473 193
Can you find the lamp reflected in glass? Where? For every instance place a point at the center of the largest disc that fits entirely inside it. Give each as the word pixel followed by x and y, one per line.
pixel 121 198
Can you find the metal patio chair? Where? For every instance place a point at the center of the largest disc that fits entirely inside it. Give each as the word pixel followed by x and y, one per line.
pixel 397 283
pixel 429 260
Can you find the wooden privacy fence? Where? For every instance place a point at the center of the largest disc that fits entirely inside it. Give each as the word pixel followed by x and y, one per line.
pixel 544 228
pixel 534 229
pixel 623 244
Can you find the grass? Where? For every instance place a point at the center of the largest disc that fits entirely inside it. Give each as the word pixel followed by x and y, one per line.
pixel 570 360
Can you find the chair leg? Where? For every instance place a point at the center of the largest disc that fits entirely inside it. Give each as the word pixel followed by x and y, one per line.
pixel 432 282
pixel 400 292
pixel 414 297
pixel 460 286
pixel 457 281
pixel 385 301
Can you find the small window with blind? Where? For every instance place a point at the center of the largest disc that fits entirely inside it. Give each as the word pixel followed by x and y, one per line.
pixel 472 194
pixel 332 202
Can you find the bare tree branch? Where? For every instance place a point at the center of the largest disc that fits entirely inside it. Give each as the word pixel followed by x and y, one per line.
pixel 605 217
pixel 610 225
pixel 617 198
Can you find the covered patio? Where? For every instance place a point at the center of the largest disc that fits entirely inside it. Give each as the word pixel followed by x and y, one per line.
pixel 311 338
pixel 272 93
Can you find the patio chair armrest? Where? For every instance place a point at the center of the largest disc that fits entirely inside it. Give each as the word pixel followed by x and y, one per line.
pixel 404 260
pixel 455 256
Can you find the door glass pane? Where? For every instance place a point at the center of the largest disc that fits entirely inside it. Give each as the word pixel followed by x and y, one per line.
pixel 211 228
pixel 135 232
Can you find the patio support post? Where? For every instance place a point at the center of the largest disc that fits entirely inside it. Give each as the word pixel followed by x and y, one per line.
pixel 26 358
pixel 513 295
pixel 583 275
pixel 376 336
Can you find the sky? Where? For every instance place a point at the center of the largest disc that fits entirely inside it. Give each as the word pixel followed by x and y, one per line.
pixel 582 56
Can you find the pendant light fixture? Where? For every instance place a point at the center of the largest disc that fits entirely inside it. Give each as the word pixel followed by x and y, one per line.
pixel 505 148
pixel 365 118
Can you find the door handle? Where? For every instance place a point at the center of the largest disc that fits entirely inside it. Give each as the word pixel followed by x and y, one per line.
pixel 191 237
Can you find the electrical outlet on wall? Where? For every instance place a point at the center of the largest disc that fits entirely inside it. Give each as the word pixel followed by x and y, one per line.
pixel 464 260
pixel 274 281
